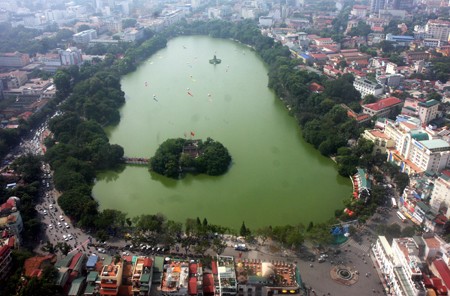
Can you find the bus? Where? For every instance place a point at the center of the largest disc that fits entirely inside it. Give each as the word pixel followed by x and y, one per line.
pixel 394 202
pixel 401 217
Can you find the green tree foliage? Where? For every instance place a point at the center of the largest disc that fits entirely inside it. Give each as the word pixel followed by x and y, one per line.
pixel 128 23
pixel 244 231
pixel 362 29
pixel 44 285
pixel 29 167
pixel 213 158
pixel 165 161
pixel 83 27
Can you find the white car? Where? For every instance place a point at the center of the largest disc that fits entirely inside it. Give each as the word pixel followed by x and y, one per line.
pixel 45 212
pixel 50 226
pixel 66 225
pixel 65 237
pixel 61 217
pixel 59 224
pixel 70 236
pixel 50 207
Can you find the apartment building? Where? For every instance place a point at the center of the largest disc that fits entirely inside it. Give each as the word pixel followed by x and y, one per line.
pixel 428 111
pixel 85 36
pixel 14 59
pixel 438 29
pixel 111 278
pixel 440 197
pixel 367 87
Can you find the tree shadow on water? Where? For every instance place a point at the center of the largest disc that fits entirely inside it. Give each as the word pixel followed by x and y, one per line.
pixel 110 175
pixel 166 181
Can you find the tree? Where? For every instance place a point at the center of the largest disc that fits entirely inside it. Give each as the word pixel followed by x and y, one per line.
pixel 128 23
pixel 244 231
pixel 62 82
pixel 368 99
pixel 49 248
pixel 218 245
pixel 83 27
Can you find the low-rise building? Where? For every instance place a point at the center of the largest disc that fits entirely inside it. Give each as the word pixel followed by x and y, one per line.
pixel 384 107
pixel 14 59
pixel 141 280
pixel 367 87
pixel 85 36
pixel 380 140
pixel 111 278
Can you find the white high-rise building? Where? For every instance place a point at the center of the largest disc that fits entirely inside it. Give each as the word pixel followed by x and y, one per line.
pixel 428 111
pixel 438 29
pixel 71 56
pixel 440 197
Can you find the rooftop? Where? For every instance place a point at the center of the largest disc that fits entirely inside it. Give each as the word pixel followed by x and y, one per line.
pixel 383 104
pixel 435 144
pixel 428 103
pixel 378 134
pixel 274 273
pixel 175 276
pixel 432 242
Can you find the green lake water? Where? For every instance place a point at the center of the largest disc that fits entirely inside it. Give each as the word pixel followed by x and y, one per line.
pixel 276 178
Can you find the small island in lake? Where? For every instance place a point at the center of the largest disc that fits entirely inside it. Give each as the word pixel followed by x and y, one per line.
pixel 175 157
pixel 215 61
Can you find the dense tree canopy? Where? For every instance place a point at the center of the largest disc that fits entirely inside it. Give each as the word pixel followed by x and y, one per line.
pixel 169 160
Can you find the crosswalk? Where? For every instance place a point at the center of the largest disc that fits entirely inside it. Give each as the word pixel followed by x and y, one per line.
pixel 363 247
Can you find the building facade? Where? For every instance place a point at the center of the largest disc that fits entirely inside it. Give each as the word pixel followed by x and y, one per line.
pixel 438 29
pixel 440 197
pixel 428 111
pixel 14 59
pixel 367 87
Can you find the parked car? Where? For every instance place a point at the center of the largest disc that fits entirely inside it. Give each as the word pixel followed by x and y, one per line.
pixel 66 225
pixel 65 237
pixel 240 247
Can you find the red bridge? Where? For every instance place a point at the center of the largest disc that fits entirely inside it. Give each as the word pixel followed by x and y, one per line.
pixel 136 160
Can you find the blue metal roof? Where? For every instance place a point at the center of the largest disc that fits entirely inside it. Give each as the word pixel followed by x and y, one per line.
pixel 92 260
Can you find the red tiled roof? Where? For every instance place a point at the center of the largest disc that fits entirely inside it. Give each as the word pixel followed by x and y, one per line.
pixel 192 286
pixel 208 283
pixel 148 262
pixel 3 250
pixel 443 271
pixel 378 134
pixel 383 103
pixel 34 263
pixel 319 56
pixel 75 260
pixel 315 87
